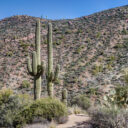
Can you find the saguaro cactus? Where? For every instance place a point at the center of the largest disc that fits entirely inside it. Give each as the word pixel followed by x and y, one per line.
pixel 64 96
pixel 37 68
pixel 51 77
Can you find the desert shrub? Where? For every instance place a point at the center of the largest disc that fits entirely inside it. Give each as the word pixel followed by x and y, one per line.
pixel 47 108
pixel 10 105
pixel 111 58
pixel 124 31
pixel 119 45
pixel 4 95
pixel 68 31
pixel 97 69
pixel 119 97
pixel 9 53
pixel 98 35
pixel 76 109
pixel 109 66
pixel 25 84
pixel 109 117
pixel 82 101
pixel 79 49
pixel 58 42
pixel 93 91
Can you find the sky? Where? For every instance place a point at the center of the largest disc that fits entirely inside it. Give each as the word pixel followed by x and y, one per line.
pixel 56 9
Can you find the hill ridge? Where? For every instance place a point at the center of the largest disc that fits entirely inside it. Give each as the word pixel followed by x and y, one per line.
pixel 92 50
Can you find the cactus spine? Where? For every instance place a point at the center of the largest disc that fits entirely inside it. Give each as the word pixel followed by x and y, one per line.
pixel 37 68
pixel 51 77
pixel 64 96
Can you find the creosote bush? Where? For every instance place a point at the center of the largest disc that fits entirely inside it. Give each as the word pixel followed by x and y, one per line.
pixel 10 105
pixel 82 101
pixel 46 108
pixel 103 117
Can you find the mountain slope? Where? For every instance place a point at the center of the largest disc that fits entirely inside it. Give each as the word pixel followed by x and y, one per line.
pixel 92 50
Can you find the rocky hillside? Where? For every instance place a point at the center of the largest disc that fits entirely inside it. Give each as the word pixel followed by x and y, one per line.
pixel 91 50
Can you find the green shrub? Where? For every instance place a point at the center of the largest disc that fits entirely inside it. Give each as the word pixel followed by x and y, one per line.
pixel 81 101
pixel 78 50
pixel 9 53
pixel 108 117
pixel 25 84
pixel 98 35
pixel 68 31
pixel 112 58
pixel 97 69
pixel 4 95
pixel 46 108
pixel 10 105
pixel 24 45
pixel 120 97
pixel 119 45
pixel 58 42
pixel 93 91
pixel 109 66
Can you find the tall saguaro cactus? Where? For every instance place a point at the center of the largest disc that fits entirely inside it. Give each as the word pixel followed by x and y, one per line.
pixel 51 77
pixel 37 68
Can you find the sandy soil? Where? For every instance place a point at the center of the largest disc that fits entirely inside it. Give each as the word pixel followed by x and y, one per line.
pixel 76 121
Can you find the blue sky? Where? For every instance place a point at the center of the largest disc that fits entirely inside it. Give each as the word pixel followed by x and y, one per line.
pixel 56 9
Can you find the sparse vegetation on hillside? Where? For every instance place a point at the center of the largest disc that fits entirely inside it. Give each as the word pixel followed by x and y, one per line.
pixel 91 53
pixel 78 45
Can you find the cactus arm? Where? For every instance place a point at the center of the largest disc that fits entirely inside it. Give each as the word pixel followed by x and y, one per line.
pixel 29 67
pixel 57 70
pixel 34 63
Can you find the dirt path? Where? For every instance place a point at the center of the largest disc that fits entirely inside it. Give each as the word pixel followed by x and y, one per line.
pixel 76 121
